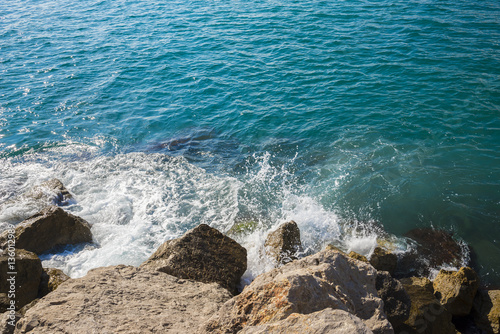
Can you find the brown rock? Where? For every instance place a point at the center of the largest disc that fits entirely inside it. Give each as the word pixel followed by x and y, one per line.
pixel 358 257
pixel 202 254
pixel 456 290
pixel 283 244
pixel 124 299
pixel 327 279
pixel 322 322
pixel 384 260
pixel 8 322
pixel 49 228
pixel 28 269
pixel 51 279
pixel 397 303
pixel 486 311
pixel 427 315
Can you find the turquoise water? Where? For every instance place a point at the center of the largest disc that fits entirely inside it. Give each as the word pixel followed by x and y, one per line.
pixel 159 115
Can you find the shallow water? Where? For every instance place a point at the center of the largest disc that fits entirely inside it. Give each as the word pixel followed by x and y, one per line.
pixel 161 115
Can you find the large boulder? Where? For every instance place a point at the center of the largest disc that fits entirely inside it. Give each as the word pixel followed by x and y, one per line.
pixel 486 311
pixel 397 303
pixel 427 315
pixel 49 228
pixel 202 254
pixel 456 290
pixel 51 279
pixel 327 279
pixel 283 244
pixel 19 278
pixel 384 260
pixel 124 299
pixel 322 322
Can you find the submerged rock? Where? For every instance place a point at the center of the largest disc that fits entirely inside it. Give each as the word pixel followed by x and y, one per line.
pixel 456 290
pixel 202 254
pixel 427 315
pixel 50 192
pixel 124 299
pixel 49 228
pixel 486 311
pixel 321 322
pixel 242 228
pixel 397 303
pixel 325 280
pixel 283 244
pixel 28 270
pixel 50 280
pixel 384 260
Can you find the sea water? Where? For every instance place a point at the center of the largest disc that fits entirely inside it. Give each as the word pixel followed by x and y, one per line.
pixel 348 117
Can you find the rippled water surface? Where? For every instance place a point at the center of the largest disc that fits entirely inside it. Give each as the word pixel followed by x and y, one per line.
pixel 159 115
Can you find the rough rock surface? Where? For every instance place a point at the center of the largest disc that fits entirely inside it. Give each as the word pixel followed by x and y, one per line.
pixel 283 244
pixel 326 321
pixel 124 299
pixel 427 315
pixel 28 269
pixel 51 279
pixel 384 260
pixel 397 303
pixel 6 322
pixel 456 290
pixel 50 192
pixel 358 256
pixel 487 311
pixel 202 254
pixel 49 228
pixel 327 279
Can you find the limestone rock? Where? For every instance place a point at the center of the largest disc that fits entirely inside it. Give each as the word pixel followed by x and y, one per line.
pixel 28 269
pixel 327 279
pixel 202 254
pixel 50 192
pixel 486 311
pixel 357 256
pixel 322 322
pixel 384 260
pixel 8 322
pixel 51 279
pixel 283 244
pixel 397 303
pixel 456 290
pixel 124 299
pixel 49 228
pixel 427 315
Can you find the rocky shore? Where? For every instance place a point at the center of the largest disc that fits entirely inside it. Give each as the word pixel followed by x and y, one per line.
pixel 192 285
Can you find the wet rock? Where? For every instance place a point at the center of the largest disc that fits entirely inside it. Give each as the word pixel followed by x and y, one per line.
pixel 50 192
pixel 202 254
pixel 49 228
pixel 427 315
pixel 384 260
pixel 397 303
pixel 456 290
pixel 124 299
pixel 486 311
pixel 321 322
pixel 50 280
pixel 433 249
pixel 283 244
pixel 325 280
pixel 358 257
pixel 27 269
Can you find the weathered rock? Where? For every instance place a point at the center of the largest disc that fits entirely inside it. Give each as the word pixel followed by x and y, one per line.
pixel 124 299
pixel 50 192
pixel 8 322
pixel 397 303
pixel 486 311
pixel 427 315
pixel 283 244
pixel 327 279
pixel 27 269
pixel 384 260
pixel 49 228
pixel 322 322
pixel 358 257
pixel 456 290
pixel 202 254
pixel 426 255
pixel 50 280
